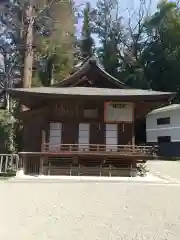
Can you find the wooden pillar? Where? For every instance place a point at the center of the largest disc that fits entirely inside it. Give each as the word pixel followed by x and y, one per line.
pixel 24 160
pixel 133 134
pixel 41 165
pixel 133 125
pixel 43 141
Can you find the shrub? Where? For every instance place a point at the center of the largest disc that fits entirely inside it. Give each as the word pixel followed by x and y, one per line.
pixel 142 169
pixel 6 130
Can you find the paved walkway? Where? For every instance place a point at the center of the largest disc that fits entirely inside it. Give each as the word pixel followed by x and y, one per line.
pixel 169 170
pixel 20 177
pixel 93 210
pixel 89 210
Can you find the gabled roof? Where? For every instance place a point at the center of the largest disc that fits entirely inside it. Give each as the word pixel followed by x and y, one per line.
pixel 90 64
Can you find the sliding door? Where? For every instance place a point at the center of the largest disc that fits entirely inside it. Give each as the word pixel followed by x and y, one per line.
pixel 84 136
pixel 111 137
pixel 55 135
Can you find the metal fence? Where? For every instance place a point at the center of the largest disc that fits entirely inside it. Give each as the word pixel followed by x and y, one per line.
pixel 9 163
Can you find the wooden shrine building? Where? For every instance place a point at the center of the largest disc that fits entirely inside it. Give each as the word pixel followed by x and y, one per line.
pixel 85 125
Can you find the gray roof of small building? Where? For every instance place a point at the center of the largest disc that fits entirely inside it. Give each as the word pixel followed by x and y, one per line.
pixel 165 109
pixel 88 91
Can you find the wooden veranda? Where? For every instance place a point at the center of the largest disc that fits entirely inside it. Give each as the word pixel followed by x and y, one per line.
pixel 94 159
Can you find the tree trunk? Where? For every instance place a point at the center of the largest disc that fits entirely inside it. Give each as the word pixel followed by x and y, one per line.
pixel 28 55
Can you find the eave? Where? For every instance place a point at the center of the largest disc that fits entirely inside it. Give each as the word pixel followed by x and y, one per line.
pixel 32 97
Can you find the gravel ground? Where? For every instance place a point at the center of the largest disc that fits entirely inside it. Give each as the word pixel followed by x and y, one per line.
pixel 89 211
pixel 165 169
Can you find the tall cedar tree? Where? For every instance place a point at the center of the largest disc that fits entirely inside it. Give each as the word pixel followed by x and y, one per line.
pixel 87 42
pixel 107 26
pixel 50 59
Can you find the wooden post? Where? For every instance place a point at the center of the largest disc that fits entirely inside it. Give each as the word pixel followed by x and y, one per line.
pixel 41 170
pixel 133 126
pixel 1 163
pixel 24 160
pixel 133 134
pixel 43 141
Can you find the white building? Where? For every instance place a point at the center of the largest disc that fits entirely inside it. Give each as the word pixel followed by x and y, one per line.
pixel 163 128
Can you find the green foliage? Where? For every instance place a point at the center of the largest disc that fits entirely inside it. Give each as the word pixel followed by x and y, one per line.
pixel 108 27
pixel 161 55
pixel 146 54
pixel 54 63
pixel 50 59
pixel 6 129
pixel 6 119
pixel 8 175
pixel 142 169
pixel 87 41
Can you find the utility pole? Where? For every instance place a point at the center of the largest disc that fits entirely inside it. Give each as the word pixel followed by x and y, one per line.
pixel 28 55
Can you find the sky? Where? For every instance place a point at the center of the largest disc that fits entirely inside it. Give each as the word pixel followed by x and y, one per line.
pixel 123 3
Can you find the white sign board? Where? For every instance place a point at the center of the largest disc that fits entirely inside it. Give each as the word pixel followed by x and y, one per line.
pixel 118 112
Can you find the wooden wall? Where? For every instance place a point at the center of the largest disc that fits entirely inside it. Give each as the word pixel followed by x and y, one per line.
pixel 72 115
pixel 33 133
pixel 32 139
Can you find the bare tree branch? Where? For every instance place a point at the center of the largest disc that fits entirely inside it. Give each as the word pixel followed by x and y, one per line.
pixel 137 30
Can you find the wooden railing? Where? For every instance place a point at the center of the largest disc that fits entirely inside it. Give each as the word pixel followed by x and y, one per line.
pixel 100 148
pixel 99 170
